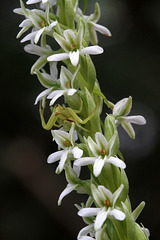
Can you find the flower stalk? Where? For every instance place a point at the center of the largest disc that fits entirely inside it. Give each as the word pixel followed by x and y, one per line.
pixel 83 139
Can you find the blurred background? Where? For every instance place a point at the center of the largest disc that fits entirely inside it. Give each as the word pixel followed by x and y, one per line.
pixel 29 187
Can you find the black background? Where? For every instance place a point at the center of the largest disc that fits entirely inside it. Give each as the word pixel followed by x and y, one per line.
pixel 29 187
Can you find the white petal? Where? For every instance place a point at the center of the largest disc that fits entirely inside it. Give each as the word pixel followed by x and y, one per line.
pixel 62 161
pixel 32 1
pixel 26 23
pixel 117 162
pixel 129 129
pixel 56 94
pixel 140 120
pixel 86 238
pixel 119 106
pixel 84 231
pixel 85 161
pixel 88 212
pixel 65 192
pixel 119 215
pixel 101 217
pixel 58 57
pixel 42 95
pixel 30 36
pixel 101 29
pixel 53 24
pixel 68 34
pixel 106 193
pixel 98 165
pixel 71 91
pixel 101 140
pixel 38 34
pixel 54 156
pixel 93 50
pixel 74 57
pixel 77 152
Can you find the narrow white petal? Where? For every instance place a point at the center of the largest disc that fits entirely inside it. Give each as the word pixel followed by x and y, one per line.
pixel 26 23
pixel 84 231
pixel 58 57
pixel 101 29
pixel 98 165
pixel 116 161
pixel 32 1
pixel 85 161
pixel 101 140
pixel 92 50
pixel 53 24
pixel 106 193
pixel 74 57
pixel 140 120
pixel 62 161
pixel 77 152
pixel 101 217
pixel 56 94
pixel 71 91
pixel 69 34
pixel 30 36
pixel 119 215
pixel 65 192
pixel 38 34
pixel 88 212
pixel 42 95
pixel 116 194
pixel 54 156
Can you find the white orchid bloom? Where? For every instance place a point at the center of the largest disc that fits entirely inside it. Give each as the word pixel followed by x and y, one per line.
pixel 66 80
pixel 66 141
pixel 102 154
pixel 106 200
pixel 120 111
pixel 72 45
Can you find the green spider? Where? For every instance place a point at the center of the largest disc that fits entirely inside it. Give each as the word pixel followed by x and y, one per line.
pixel 62 115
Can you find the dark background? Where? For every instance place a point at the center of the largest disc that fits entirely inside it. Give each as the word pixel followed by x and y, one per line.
pixel 29 187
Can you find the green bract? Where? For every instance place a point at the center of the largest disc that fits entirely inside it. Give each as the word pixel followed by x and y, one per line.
pixel 63 37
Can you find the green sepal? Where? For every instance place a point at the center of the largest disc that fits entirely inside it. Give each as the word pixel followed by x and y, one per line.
pixel 45 81
pixel 124 181
pixel 84 5
pixel 69 14
pixel 138 210
pixel 97 12
pixel 39 64
pixel 26 11
pixel 111 229
pixel 102 234
pixel 91 74
pixel 140 234
pixel 129 224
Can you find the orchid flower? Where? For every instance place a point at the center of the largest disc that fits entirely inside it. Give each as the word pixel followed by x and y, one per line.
pixel 107 201
pixel 66 141
pixel 101 151
pixel 72 45
pixel 120 111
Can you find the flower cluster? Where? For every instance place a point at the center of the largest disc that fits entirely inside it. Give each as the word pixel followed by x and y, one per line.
pixel 59 31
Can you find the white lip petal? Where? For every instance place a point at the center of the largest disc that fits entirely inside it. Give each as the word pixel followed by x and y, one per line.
pixel 88 212
pixel 92 50
pixel 77 152
pixel 74 57
pixel 30 36
pixel 117 162
pixel 58 57
pixel 101 217
pixel 54 156
pixel 71 91
pixel 98 165
pixel 65 192
pixel 38 34
pixel 42 95
pixel 119 215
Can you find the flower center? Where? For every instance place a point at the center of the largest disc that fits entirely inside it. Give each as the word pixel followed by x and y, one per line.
pixel 103 152
pixel 43 24
pixel 106 203
pixel 67 143
pixel 68 84
pixel 73 47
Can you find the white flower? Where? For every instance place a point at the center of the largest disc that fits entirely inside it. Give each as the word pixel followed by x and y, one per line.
pixel 106 200
pixel 93 26
pixel 120 111
pixel 83 234
pixel 66 141
pixel 72 45
pixel 66 80
pixel 102 154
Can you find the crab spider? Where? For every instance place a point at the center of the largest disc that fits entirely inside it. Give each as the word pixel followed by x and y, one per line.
pixel 64 115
